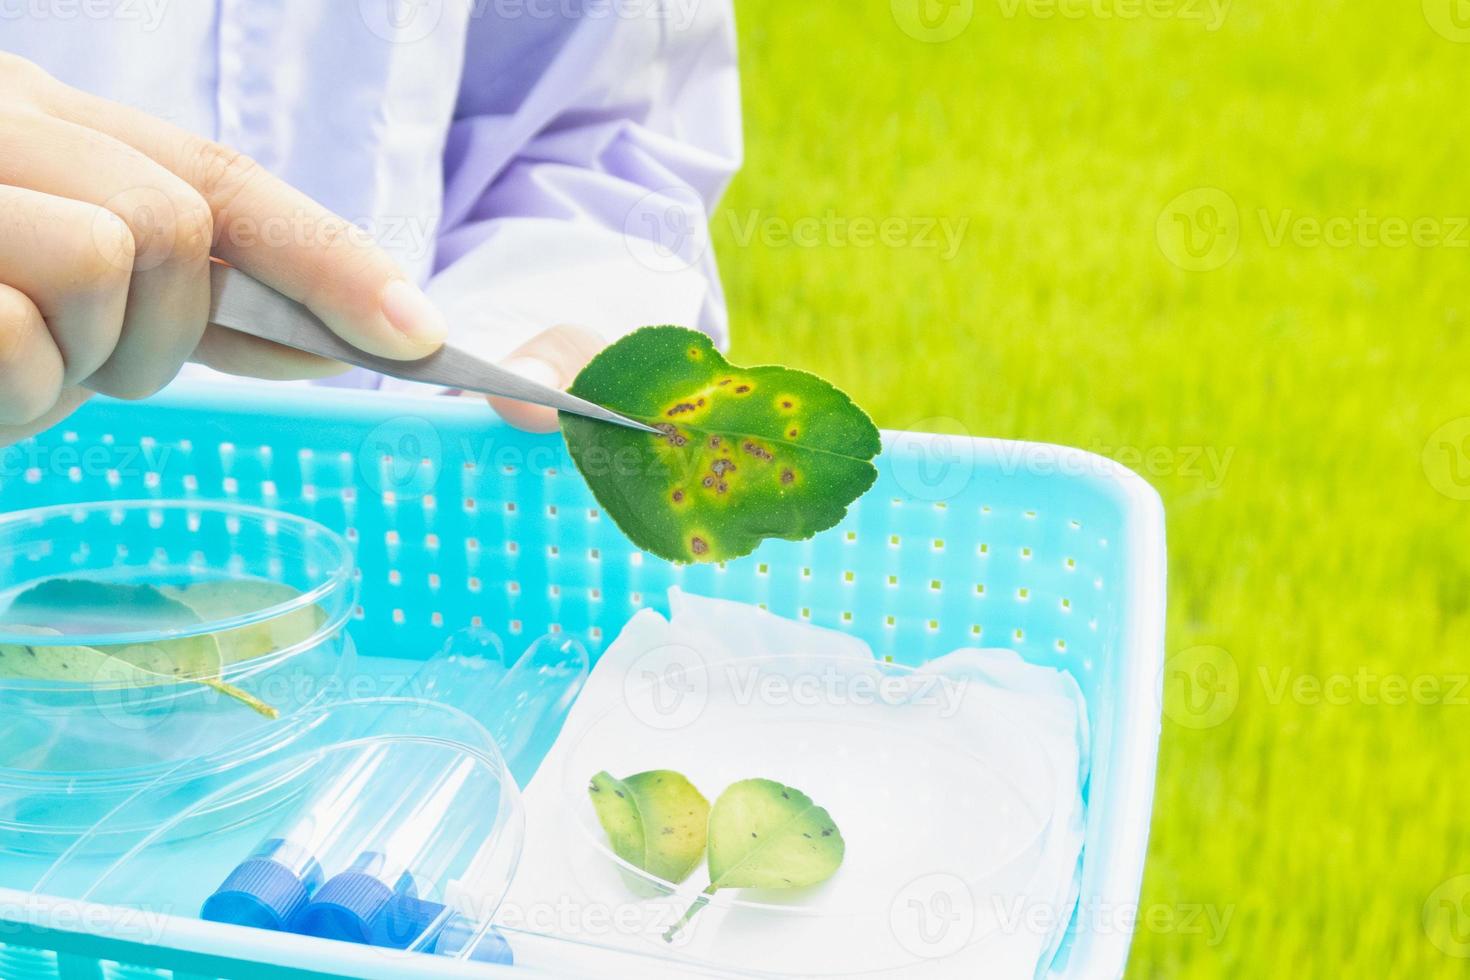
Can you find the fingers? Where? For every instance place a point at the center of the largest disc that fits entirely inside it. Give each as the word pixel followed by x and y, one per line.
pixel 323 262
pixel 30 364
pixel 553 357
pixel 170 225
pixel 70 400
pixel 237 353
pixel 71 262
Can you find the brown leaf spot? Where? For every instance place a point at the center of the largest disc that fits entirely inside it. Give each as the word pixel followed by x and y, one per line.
pixel 699 546
pixel 725 381
pixel 671 434
pixel 722 466
pixel 788 477
pixel 678 496
pixel 707 482
pixel 742 389
pixel 681 408
pixel 714 442
pixel 756 450
pixel 791 433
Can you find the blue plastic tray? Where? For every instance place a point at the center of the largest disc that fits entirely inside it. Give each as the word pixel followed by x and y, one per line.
pixel 458 520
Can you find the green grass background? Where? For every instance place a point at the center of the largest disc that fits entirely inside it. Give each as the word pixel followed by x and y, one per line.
pixel 1325 547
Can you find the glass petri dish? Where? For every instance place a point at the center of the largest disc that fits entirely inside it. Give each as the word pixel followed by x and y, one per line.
pixel 932 811
pixel 134 635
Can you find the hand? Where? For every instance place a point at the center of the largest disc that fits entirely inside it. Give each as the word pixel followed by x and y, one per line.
pixel 108 218
pixel 552 357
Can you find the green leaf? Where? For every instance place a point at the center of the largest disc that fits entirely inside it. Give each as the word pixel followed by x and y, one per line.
pixel 655 821
pixel 766 835
pixel 746 453
pixel 219 600
pixel 88 606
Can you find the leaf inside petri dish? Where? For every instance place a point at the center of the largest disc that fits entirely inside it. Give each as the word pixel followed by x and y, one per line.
pixel 766 835
pixel 656 821
pixel 85 606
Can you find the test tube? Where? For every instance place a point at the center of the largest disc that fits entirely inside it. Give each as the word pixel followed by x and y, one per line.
pixel 274 883
pixel 523 706
pixel 413 844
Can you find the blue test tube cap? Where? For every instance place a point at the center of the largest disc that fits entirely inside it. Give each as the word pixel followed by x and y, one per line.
pixel 347 906
pixel 262 893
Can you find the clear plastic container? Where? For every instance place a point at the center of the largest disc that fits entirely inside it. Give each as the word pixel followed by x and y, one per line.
pixel 925 817
pixel 137 634
pixel 388 822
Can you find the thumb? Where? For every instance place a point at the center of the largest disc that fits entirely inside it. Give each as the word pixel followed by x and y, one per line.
pixel 553 357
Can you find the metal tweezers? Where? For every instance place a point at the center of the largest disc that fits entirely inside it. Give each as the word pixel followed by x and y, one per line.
pixel 248 306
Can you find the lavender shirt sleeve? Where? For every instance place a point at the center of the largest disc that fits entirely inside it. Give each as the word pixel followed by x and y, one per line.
pixel 586 154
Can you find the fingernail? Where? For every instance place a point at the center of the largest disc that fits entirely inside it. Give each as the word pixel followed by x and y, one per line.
pixel 535 369
pixel 411 313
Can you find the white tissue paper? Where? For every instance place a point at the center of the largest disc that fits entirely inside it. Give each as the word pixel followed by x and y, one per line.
pixel 957 789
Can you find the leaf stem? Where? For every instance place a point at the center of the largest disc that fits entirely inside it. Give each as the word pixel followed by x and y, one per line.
pixel 244 697
pixel 690 912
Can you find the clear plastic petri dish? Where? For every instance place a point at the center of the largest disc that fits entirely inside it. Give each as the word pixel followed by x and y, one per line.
pixel 938 808
pixel 134 635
